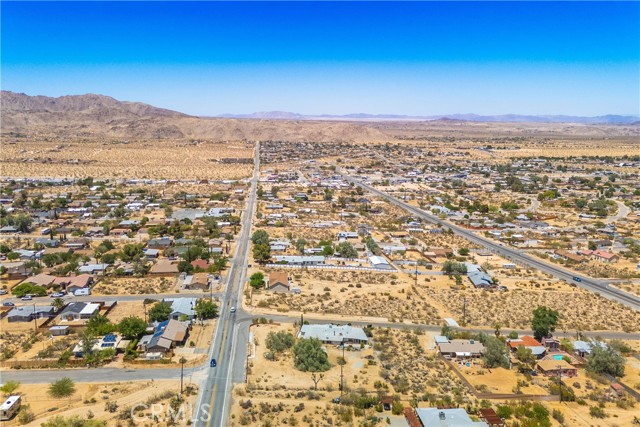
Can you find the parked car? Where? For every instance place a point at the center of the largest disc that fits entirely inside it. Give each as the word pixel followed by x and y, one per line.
pixel 3 291
pixel 213 363
pixel 8 304
pixel 57 295
pixel 26 298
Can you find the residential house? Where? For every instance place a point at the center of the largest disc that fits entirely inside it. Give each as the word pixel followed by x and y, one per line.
pixel 554 368
pixel 27 313
pixel 604 256
pixel 166 336
pixel 79 311
pixel 59 330
pixel 159 243
pixel 114 341
pixel 73 283
pixel 44 280
pixel 334 334
pixel 93 268
pixel 182 308
pixel 164 267
pixel 279 282
pixel 300 260
pixel 570 256
pixel 526 341
pixel 478 277
pixel 199 281
pixel 454 417
pixel 380 263
pixel 203 264
pixel 461 349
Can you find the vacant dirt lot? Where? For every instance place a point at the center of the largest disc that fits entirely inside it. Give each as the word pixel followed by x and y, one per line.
pixel 152 159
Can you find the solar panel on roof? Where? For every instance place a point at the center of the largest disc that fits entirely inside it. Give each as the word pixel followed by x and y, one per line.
pixel 109 338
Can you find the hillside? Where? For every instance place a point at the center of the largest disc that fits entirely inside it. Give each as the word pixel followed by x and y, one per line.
pixel 98 115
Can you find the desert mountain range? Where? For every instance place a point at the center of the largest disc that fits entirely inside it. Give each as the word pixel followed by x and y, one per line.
pixel 98 115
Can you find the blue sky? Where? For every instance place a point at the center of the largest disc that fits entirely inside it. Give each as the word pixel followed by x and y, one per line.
pixel 417 58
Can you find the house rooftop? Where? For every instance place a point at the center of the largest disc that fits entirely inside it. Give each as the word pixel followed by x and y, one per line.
pixel 457 417
pixel 331 332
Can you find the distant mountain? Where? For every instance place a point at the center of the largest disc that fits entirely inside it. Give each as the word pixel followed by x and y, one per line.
pixel 102 116
pixel 99 106
pixel 506 118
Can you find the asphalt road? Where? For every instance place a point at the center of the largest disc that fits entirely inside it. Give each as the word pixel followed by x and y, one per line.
pixel 108 298
pixel 514 255
pixel 227 348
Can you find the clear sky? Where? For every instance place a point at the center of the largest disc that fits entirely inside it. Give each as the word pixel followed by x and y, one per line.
pixel 416 58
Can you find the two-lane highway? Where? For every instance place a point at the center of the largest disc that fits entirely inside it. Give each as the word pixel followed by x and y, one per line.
pixel 215 390
pixel 513 255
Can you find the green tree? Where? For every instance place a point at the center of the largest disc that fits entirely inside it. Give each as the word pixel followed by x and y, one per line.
pixel 452 267
pixel 58 304
pixel 277 342
pixel 132 327
pixel 606 360
pixel 525 357
pixel 100 325
pixel 185 267
pixel 309 356
pixel 206 309
pixel 160 312
pixel 63 387
pixel 28 289
pixel 9 387
pixel 131 252
pixel 262 253
pixel 257 280
pixel 260 237
pixel 346 250
pixel 544 321
pixel 495 353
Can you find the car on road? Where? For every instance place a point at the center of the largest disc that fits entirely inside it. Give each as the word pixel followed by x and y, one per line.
pixel 56 295
pixel 213 363
pixel 233 309
pixel 577 279
pixel 8 304
pixel 26 298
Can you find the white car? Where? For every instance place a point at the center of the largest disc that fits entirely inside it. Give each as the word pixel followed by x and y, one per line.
pixel 233 309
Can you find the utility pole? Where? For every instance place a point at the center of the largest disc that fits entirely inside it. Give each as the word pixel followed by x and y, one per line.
pixel 341 367
pixel 182 360
pixel 464 310
pixel 560 376
pixel 35 319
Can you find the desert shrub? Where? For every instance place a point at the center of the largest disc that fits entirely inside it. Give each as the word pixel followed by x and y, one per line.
pixel 25 415
pixel 64 387
pixel 558 415
pixel 597 412
pixel 9 387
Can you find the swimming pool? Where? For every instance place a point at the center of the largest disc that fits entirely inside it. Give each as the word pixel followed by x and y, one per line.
pixel 557 357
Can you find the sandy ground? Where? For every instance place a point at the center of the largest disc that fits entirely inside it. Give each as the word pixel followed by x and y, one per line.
pixel 154 159
pixel 91 398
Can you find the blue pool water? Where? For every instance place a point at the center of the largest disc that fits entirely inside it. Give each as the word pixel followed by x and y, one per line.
pixel 557 357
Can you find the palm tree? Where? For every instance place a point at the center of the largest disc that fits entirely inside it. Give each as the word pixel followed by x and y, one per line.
pixel 497 328
pixel 58 304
